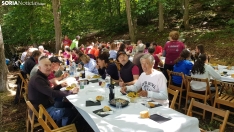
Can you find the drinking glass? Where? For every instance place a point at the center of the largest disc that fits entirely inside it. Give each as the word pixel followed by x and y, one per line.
pixel 225 73
pixel 85 82
pixel 118 106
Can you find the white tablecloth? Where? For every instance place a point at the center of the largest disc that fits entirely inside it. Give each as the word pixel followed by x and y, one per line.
pixel 127 119
pixel 227 78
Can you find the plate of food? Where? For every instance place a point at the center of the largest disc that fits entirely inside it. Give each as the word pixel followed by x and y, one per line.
pixel 68 87
pixel 93 77
pixel 132 94
pixel 122 101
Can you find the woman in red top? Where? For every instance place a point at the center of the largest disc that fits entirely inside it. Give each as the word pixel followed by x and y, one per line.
pixel 66 41
pixel 171 51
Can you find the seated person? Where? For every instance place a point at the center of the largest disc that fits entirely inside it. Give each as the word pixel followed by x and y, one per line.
pixel 113 52
pixel 106 67
pixel 40 92
pixel 78 53
pixel 136 59
pixel 66 54
pixel 129 72
pixel 158 49
pixel 94 51
pixel 31 62
pixel 74 57
pixel 202 70
pixel 152 82
pixel 158 62
pixel 89 64
pixel 182 64
pixel 55 64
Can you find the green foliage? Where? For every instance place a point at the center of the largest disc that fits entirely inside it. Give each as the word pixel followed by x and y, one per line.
pixel 231 22
pixel 24 25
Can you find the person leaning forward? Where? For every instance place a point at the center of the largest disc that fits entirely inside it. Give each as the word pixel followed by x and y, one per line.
pixel 39 92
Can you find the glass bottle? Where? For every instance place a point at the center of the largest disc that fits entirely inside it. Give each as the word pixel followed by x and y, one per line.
pixel 112 92
pixel 83 73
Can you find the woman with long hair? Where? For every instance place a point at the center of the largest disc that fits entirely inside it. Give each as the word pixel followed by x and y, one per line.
pixel 89 63
pixel 105 66
pixel 122 47
pixel 113 52
pixel 198 51
pixel 182 64
pixel 203 71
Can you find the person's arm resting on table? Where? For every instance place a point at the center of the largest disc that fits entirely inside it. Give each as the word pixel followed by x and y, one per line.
pixel 50 92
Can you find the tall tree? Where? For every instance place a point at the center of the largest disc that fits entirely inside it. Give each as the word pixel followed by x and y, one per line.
pixel 161 18
pixel 130 23
pixel 57 24
pixel 186 14
pixel 3 69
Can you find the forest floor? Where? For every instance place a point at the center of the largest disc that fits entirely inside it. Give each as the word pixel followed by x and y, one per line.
pixel 13 116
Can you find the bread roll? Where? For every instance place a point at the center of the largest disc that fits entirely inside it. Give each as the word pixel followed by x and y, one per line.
pixel 144 114
pixel 151 104
pixel 99 98
pixel 106 108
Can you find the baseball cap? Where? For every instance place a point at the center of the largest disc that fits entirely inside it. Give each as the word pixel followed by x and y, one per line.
pixel 120 53
pixel 55 59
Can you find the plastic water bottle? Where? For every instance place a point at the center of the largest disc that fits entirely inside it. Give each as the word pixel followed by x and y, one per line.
pixel 72 69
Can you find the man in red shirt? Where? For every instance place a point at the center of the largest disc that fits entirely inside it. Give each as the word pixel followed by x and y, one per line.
pixel 55 64
pixel 66 41
pixel 158 49
pixel 157 62
pixel 129 72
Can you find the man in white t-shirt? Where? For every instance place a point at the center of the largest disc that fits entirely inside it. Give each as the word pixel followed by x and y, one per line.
pixel 151 81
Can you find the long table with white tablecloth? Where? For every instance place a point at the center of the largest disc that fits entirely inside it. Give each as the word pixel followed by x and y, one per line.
pixel 128 118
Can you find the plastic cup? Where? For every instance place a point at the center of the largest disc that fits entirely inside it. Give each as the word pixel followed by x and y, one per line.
pixel 118 106
pixel 77 78
pixel 81 85
pixel 85 82
pixel 100 83
pixel 225 73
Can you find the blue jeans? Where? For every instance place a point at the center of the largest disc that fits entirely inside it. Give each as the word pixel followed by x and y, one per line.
pixel 63 115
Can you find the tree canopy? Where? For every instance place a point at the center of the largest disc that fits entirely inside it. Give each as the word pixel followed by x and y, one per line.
pixel 27 25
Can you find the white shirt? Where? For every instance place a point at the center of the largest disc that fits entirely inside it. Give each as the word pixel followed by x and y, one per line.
pixel 22 58
pixel 209 72
pixel 154 84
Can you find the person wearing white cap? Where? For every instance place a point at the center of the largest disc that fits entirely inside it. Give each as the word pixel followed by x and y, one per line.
pixel 41 49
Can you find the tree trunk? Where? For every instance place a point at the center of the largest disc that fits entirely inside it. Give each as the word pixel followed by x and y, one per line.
pixel 186 14
pixel 110 8
pixel 118 7
pixel 3 69
pixel 161 19
pixel 57 24
pixel 130 23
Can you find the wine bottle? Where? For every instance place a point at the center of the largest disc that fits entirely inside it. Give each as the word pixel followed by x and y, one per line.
pixel 111 88
pixel 83 73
